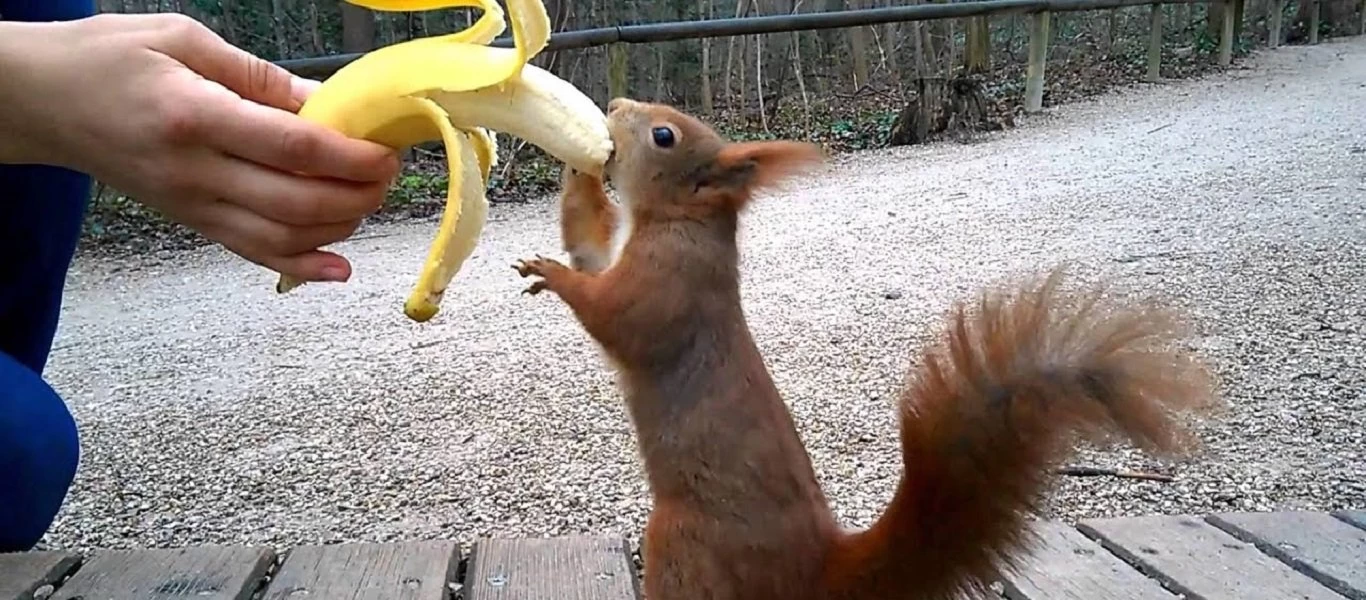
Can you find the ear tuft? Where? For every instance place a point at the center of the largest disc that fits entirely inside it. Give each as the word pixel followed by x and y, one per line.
pixel 742 168
pixel 766 164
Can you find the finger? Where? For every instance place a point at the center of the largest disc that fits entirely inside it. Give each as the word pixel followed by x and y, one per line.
pixel 293 251
pixel 293 199
pixel 205 52
pixel 316 265
pixel 287 142
pixel 302 88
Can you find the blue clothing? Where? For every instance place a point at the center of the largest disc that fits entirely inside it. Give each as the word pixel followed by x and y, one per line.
pixel 41 209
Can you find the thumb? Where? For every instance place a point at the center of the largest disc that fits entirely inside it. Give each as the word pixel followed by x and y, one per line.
pixel 249 76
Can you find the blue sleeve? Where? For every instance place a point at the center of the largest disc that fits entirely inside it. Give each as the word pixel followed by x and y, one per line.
pixel 45 10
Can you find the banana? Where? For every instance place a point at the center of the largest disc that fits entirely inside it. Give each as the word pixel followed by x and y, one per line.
pixel 458 89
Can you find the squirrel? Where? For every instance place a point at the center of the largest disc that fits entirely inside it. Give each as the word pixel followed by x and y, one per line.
pixel 987 409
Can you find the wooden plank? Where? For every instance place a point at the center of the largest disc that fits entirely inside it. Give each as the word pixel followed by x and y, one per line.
pixel 22 573
pixel 1329 551
pixel 1352 517
pixel 566 568
pixel 1194 558
pixel 367 571
pixel 199 572
pixel 1067 565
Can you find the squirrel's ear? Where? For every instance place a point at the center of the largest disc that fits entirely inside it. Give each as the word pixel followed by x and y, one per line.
pixel 741 168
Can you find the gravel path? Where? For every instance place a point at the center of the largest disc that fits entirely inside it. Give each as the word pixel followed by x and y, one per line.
pixel 214 411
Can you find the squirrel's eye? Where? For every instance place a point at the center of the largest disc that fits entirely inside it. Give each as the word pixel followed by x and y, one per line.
pixel 664 137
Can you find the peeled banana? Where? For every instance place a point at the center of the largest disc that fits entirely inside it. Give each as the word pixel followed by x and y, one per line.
pixel 458 89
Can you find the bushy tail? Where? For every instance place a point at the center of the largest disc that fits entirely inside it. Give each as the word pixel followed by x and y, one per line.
pixel 991 409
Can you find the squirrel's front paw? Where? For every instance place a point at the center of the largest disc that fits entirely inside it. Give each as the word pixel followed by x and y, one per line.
pixel 546 268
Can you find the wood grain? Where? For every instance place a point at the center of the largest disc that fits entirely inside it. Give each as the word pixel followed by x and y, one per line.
pixel 1067 565
pixel 1327 550
pixel 400 571
pixel 23 573
pixel 567 568
pixel 1194 558
pixel 199 572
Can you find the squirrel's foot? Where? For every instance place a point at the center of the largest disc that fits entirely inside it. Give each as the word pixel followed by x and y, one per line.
pixel 546 268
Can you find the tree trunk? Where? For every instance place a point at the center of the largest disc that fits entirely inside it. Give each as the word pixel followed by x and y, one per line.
pixel 891 43
pixel 315 33
pixel 727 81
pixel 1214 18
pixel 358 28
pixel 229 31
pixel 977 55
pixel 1111 29
pixel 1239 7
pixel 704 10
pixel 858 47
pixel 659 73
pixel 277 29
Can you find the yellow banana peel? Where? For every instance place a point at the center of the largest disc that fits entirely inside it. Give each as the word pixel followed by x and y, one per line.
pixel 458 89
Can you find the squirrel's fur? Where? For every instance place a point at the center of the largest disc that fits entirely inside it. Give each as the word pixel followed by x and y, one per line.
pixel 738 513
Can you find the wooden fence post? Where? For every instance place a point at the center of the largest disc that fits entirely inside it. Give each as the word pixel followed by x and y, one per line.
pixel 1314 21
pixel 1273 33
pixel 1155 44
pixel 1361 29
pixel 1226 35
pixel 1038 56
pixel 616 70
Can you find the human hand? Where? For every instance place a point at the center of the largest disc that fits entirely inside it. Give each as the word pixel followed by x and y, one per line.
pixel 161 108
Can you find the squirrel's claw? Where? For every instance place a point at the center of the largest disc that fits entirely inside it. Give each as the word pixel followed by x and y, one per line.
pixel 536 267
pixel 528 268
pixel 535 288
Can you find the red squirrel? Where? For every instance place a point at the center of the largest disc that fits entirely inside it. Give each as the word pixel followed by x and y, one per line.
pixel 738 513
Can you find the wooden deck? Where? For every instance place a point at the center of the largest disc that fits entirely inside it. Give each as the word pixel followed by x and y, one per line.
pixel 1237 556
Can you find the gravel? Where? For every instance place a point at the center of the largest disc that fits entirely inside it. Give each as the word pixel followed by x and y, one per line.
pixel 214 411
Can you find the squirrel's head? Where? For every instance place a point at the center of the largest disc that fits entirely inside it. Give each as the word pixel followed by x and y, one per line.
pixel 671 163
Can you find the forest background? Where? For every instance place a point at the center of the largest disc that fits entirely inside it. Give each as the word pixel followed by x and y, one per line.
pixel 845 88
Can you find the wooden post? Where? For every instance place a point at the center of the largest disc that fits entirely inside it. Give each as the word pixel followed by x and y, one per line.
pixel 1273 33
pixel 1038 56
pixel 616 70
pixel 1226 35
pixel 1361 29
pixel 1155 44
pixel 1314 21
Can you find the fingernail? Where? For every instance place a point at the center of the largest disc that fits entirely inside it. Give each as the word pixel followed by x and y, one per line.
pixel 334 274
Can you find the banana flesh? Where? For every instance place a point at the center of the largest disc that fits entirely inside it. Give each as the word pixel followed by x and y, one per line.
pixel 458 89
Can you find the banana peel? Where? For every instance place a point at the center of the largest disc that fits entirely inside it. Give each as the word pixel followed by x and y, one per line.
pixel 458 89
